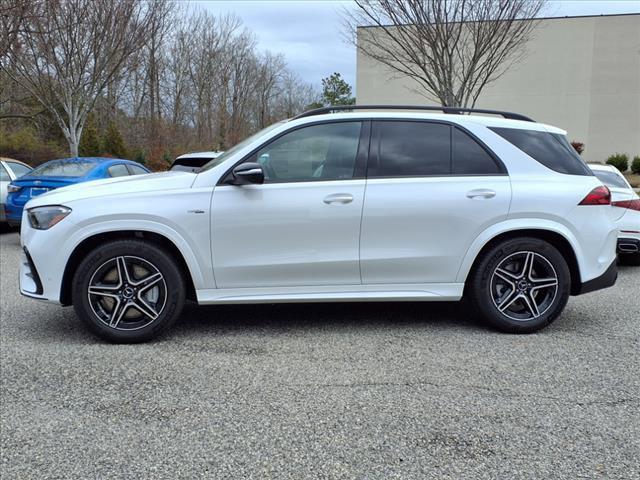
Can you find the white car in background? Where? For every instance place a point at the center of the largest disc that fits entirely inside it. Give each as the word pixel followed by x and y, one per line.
pixel 10 169
pixel 371 204
pixel 626 204
pixel 194 161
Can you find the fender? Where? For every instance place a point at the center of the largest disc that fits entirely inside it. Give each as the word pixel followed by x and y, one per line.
pixel 199 266
pixel 513 225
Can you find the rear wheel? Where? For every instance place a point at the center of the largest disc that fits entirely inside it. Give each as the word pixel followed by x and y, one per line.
pixel 520 285
pixel 128 291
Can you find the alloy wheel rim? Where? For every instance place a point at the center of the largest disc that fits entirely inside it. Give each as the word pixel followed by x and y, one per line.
pixel 127 293
pixel 524 286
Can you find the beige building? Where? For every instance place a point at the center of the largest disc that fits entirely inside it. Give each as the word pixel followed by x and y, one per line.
pixel 580 73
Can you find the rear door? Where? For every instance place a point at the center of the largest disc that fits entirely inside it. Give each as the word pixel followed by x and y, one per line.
pixel 431 189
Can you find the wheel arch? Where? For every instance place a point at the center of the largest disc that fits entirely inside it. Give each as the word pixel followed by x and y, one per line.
pixel 555 238
pixel 93 241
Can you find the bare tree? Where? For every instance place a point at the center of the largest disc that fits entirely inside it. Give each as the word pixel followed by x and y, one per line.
pixel 451 48
pixel 173 78
pixel 270 71
pixel 295 96
pixel 72 51
pixel 13 14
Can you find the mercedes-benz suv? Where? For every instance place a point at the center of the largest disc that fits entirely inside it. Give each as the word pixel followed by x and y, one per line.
pixel 356 204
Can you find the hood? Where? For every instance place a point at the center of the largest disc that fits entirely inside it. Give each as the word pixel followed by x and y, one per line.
pixel 114 187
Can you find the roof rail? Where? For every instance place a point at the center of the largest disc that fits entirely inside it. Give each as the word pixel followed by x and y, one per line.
pixel 450 110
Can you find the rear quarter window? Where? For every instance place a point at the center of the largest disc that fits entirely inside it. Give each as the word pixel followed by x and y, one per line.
pixel 551 150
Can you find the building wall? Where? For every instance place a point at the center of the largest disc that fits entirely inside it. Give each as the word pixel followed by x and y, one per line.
pixel 581 74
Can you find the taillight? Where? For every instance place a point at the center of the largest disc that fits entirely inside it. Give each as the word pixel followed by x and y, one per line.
pixel 598 196
pixel 13 188
pixel 631 204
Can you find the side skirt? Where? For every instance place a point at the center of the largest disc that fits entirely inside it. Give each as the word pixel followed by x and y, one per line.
pixel 334 293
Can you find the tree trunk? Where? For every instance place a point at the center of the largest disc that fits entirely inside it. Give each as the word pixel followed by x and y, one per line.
pixel 73 148
pixel 73 130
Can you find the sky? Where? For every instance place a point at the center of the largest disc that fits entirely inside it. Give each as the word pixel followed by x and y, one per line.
pixel 309 33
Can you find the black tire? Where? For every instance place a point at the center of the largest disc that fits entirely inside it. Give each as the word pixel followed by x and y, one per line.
pixel 630 259
pixel 490 290
pixel 151 281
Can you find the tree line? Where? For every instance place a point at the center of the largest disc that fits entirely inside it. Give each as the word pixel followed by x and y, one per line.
pixel 150 79
pixel 146 80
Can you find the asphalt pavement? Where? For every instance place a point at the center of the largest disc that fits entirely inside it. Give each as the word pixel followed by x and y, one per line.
pixel 334 391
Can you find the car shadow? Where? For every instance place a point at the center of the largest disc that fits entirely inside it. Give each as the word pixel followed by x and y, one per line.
pixel 281 317
pixel 5 228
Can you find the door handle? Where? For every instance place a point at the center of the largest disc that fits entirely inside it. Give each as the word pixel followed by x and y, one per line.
pixel 341 198
pixel 481 193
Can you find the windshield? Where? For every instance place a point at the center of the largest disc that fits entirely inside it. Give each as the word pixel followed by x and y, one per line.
pixel 63 168
pixel 217 161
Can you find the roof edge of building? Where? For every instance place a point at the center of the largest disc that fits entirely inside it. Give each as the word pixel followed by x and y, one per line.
pixel 539 18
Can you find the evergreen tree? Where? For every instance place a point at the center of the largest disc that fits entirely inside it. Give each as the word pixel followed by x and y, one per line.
pixel 113 142
pixel 335 91
pixel 90 141
pixel 140 156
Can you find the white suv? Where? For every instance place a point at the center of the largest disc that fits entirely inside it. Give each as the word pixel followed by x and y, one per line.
pixel 370 204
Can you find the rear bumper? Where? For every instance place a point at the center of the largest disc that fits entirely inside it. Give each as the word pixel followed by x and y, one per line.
pixel 606 280
pixel 628 246
pixel 13 212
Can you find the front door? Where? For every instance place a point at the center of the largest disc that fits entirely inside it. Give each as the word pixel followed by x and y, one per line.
pixel 302 226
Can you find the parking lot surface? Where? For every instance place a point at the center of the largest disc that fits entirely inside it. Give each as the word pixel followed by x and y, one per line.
pixel 363 391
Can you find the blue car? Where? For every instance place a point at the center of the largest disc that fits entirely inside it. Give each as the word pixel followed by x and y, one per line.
pixel 60 173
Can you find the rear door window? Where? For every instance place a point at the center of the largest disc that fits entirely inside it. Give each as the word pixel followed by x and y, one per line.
pixel 471 158
pixel 551 150
pixel 410 149
pixel 118 170
pixel 136 170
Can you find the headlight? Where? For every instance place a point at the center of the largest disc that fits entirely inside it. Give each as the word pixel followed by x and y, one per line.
pixel 43 218
pixel 13 188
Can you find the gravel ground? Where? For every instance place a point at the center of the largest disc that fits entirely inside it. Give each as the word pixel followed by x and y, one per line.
pixel 362 391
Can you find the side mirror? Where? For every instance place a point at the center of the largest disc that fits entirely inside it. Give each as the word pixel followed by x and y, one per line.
pixel 247 173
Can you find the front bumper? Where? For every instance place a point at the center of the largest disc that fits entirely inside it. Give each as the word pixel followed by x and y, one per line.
pixel 43 260
pixel 606 280
pixel 30 283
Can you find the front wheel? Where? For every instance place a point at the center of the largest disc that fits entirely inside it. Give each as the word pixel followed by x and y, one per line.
pixel 128 291
pixel 520 285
